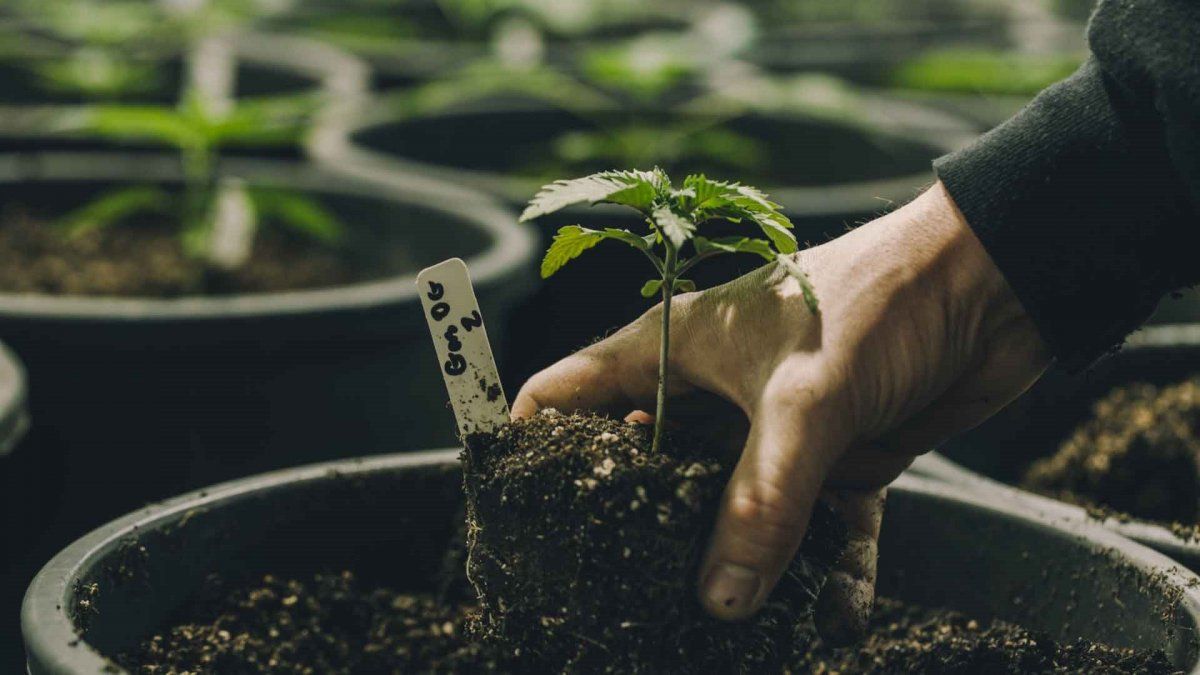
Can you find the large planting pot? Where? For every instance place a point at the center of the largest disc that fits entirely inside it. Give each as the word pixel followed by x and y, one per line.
pixel 266 65
pixel 1034 426
pixel 389 519
pixel 828 174
pixel 139 399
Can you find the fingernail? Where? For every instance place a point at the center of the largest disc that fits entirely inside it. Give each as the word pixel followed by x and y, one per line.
pixel 731 588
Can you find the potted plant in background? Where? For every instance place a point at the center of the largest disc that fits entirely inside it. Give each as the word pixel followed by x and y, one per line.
pixel 1121 443
pixel 69 59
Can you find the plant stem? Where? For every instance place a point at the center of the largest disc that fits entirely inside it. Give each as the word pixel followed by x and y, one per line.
pixel 668 288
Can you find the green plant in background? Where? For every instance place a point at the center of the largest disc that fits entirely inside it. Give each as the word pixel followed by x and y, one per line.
pixel 218 218
pixel 984 72
pixel 674 217
pixel 212 213
pixel 97 73
pixel 112 48
pixel 670 144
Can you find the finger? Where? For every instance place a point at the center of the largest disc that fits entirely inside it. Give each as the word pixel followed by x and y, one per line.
pixel 844 607
pixel 766 507
pixel 579 382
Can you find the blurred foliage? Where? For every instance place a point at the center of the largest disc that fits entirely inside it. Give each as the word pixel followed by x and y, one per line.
pixel 877 11
pixel 984 72
pixel 97 73
pixel 661 145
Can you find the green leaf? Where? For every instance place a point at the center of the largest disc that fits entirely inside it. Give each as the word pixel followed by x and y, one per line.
pixel 631 188
pixel 684 286
pixel 572 240
pixel 277 120
pixel 673 226
pixel 113 207
pixel 299 213
pixel 806 288
pixel 137 122
pixel 651 288
pixel 760 247
pixel 778 229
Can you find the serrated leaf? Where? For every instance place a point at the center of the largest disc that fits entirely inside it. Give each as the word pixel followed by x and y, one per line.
pixel 113 207
pixel 760 247
pixel 676 228
pixel 806 288
pixel 572 240
pixel 651 288
pixel 298 212
pixel 778 229
pixel 631 188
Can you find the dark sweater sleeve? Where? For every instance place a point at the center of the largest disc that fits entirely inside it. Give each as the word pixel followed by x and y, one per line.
pixel 1088 199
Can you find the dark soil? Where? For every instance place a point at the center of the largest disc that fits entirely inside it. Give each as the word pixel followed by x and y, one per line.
pixel 145 259
pixel 584 548
pixel 327 624
pixel 333 624
pixel 904 638
pixel 1139 454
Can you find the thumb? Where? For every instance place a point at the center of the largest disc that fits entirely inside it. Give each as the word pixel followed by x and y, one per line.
pixel 766 507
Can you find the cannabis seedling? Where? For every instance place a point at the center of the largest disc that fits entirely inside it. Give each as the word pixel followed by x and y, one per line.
pixel 218 216
pixel 674 216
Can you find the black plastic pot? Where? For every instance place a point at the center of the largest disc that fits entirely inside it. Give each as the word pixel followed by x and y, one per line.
pixel 140 399
pixel 999 451
pixel 14 412
pixel 267 65
pixel 389 520
pixel 829 176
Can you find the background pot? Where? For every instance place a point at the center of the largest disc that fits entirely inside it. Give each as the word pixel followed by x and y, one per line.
pixel 854 174
pixel 267 65
pixel 1035 425
pixel 139 399
pixel 389 520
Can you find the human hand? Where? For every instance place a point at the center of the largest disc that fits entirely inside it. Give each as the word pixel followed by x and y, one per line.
pixel 919 337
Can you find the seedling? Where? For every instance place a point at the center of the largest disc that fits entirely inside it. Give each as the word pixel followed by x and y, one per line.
pixel 674 217
pixel 218 218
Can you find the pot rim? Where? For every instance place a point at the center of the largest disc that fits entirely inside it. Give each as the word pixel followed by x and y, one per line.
pixel 55 644
pixel 14 413
pixel 510 249
pixel 332 142
pixel 339 76
pixel 936 466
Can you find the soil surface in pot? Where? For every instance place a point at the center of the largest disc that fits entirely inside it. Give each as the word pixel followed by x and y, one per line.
pixel 1138 455
pixel 145 259
pixel 334 624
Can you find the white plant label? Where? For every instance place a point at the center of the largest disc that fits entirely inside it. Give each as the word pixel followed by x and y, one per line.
pixel 463 351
